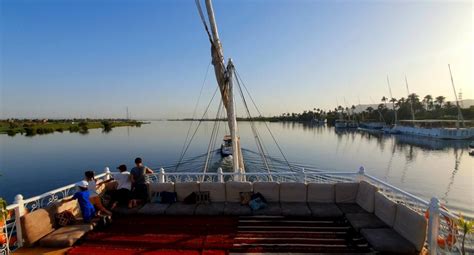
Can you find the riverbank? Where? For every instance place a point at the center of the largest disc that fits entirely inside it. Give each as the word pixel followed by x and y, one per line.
pixel 12 127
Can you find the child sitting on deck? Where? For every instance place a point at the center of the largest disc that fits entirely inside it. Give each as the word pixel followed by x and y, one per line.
pixel 94 195
pixel 82 196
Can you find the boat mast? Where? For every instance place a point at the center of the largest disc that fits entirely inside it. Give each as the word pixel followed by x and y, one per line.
pixel 393 103
pixel 224 77
pixel 411 103
pixel 460 117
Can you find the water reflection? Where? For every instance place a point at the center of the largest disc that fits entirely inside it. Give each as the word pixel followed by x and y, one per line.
pixel 425 167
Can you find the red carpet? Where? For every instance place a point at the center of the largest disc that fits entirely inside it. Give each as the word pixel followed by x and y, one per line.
pixel 196 235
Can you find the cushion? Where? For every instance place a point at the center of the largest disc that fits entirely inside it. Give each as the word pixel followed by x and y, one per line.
pixel 180 208
pixel 321 193
pixel 37 224
pixel 293 192
pixel 126 211
pixel 233 188
pixel 184 189
pixel 110 186
pixel 325 210
pixel 365 196
pixel 216 190
pixel 410 225
pixel 295 209
pixel 159 187
pixel 236 209
pixel 65 236
pixel 153 209
pixel 272 209
pixel 64 218
pixel 212 209
pixel 346 192
pixel 72 206
pixel 245 197
pixel 351 208
pixel 386 240
pixel 270 190
pixel 364 220
pixel 385 209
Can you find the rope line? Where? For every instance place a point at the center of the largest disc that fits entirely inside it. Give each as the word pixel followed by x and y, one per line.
pixel 266 125
pixel 197 128
pixel 195 109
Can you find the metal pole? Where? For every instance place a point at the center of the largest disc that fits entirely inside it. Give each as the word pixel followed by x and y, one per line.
pixel 433 225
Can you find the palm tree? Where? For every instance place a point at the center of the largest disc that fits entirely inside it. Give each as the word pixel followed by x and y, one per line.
pixel 384 100
pixel 440 100
pixel 428 99
pixel 369 109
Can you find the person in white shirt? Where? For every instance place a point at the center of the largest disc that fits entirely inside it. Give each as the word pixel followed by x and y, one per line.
pixel 122 196
pixel 94 195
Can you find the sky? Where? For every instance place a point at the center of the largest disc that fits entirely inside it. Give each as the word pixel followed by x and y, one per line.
pixel 85 58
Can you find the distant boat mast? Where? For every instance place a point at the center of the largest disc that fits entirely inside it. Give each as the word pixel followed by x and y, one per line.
pixel 411 103
pixel 393 103
pixel 460 117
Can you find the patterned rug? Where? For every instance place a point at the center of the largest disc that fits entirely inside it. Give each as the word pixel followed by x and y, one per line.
pixel 220 235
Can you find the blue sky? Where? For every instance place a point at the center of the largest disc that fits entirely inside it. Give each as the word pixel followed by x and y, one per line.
pixel 84 58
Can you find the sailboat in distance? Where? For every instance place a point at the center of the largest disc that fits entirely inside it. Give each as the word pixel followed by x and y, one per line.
pixel 441 129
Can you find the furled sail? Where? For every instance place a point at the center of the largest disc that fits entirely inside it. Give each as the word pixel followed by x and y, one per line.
pixel 224 77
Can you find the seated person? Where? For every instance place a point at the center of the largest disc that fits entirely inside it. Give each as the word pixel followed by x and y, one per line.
pixel 94 195
pixel 83 196
pixel 123 195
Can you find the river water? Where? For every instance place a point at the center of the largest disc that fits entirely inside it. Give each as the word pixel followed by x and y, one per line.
pixel 424 167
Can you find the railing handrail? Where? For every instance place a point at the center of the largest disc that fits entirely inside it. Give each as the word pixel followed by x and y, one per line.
pixel 305 174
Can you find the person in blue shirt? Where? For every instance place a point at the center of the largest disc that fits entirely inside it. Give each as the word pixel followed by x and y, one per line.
pixel 83 198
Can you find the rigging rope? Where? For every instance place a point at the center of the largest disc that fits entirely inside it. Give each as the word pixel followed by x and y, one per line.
pixel 195 109
pixel 197 128
pixel 213 137
pixel 266 125
pixel 254 129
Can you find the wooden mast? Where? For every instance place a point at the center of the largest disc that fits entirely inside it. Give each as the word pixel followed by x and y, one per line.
pixel 224 77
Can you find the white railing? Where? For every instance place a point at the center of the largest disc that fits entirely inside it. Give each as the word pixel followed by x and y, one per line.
pixel 439 221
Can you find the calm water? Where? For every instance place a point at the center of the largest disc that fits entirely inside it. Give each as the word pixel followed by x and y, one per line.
pixel 424 167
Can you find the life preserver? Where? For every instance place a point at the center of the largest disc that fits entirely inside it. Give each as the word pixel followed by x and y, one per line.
pixel 450 239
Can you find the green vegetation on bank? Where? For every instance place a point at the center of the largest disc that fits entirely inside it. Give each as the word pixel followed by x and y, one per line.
pixel 426 108
pixel 31 127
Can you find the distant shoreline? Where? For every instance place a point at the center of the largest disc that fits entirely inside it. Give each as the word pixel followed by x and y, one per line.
pixel 32 127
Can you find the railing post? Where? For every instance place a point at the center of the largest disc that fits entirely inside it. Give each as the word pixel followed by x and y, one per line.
pixel 19 211
pixel 242 175
pixel 220 175
pixel 303 175
pixel 107 173
pixel 433 225
pixel 161 176
pixel 361 173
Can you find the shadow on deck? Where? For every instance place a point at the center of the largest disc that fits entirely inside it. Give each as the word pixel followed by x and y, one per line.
pixel 221 235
